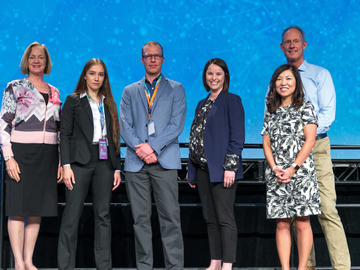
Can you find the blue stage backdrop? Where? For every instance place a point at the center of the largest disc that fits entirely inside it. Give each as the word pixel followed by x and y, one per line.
pixel 246 34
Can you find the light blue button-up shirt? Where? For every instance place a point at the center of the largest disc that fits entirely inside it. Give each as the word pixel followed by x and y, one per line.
pixel 320 91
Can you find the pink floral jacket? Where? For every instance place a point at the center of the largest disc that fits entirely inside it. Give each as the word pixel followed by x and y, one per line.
pixel 25 117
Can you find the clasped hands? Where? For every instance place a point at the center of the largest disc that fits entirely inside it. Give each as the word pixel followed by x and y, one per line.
pixel 283 175
pixel 145 152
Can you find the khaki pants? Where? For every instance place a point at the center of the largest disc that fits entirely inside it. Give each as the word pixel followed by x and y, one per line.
pixel 329 219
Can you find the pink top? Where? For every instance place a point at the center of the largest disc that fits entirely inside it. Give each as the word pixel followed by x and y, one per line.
pixel 25 117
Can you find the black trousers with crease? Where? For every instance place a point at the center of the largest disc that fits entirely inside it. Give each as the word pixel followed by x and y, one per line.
pixel 97 175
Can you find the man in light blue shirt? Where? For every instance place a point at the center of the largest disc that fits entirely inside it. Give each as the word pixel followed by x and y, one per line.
pixel 319 90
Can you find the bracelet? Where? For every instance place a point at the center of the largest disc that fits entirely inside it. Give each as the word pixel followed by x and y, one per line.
pixel 273 168
pixel 6 158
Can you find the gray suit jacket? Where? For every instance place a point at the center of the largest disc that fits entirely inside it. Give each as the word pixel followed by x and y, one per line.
pixel 168 115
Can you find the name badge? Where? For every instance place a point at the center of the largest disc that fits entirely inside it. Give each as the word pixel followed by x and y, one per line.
pixel 103 153
pixel 151 128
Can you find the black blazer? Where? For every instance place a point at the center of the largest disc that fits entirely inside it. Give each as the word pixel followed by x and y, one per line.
pixel 77 131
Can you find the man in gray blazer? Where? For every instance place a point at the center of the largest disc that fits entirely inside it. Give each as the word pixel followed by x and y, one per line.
pixel 152 116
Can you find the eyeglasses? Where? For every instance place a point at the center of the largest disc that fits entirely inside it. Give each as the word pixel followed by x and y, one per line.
pixel 151 56
pixel 295 42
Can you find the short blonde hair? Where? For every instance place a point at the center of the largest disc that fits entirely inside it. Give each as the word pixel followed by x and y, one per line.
pixel 152 43
pixel 24 64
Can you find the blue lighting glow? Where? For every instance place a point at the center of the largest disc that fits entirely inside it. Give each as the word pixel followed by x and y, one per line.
pixel 246 34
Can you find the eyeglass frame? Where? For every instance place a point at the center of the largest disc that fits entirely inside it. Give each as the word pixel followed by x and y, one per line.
pixel 150 56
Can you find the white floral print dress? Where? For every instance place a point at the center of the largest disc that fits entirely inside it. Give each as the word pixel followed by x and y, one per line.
pixel 300 197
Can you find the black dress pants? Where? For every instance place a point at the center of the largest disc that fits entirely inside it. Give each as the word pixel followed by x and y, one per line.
pixel 218 211
pixel 97 175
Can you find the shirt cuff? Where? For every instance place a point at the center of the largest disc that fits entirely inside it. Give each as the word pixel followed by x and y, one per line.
pixel 232 162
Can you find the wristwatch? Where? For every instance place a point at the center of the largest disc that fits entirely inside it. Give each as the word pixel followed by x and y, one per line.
pixel 295 166
pixel 6 158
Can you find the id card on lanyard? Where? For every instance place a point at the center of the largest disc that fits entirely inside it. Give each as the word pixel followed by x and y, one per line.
pixel 151 125
pixel 103 150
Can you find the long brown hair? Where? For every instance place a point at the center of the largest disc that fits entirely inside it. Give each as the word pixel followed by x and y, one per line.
pixel 273 99
pixel 105 90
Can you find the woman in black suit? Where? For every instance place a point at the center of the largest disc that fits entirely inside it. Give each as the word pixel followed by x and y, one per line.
pixel 215 145
pixel 90 156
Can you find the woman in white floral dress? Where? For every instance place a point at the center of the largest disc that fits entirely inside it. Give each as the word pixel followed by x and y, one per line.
pixel 289 133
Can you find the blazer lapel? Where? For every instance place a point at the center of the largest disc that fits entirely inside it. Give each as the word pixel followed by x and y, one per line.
pixel 141 92
pixel 163 86
pixel 85 105
pixel 217 104
pixel 88 123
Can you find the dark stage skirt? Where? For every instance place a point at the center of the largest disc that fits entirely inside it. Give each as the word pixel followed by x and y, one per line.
pixel 36 193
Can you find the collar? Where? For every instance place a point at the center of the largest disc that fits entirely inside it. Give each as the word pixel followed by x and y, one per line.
pixel 154 81
pixel 303 66
pixel 220 94
pixel 89 98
